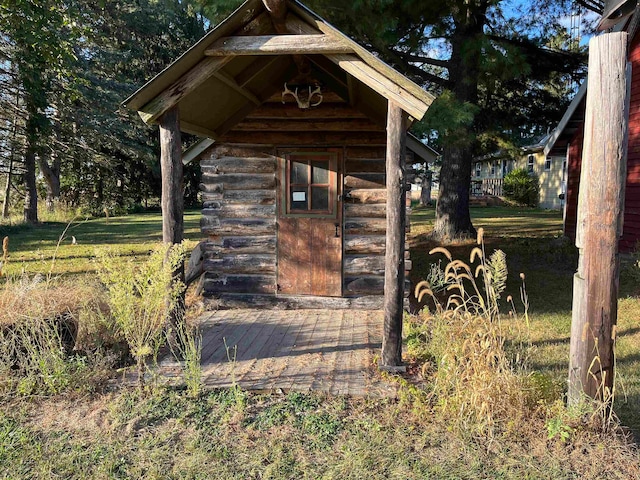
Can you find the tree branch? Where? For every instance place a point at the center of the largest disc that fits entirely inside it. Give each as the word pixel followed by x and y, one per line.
pixel 409 57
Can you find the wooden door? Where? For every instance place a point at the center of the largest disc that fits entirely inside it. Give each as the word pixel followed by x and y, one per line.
pixel 310 223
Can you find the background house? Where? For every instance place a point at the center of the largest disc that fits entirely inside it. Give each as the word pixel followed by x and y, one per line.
pixel 489 172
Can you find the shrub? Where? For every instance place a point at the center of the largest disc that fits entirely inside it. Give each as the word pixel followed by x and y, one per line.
pixel 141 294
pixel 521 187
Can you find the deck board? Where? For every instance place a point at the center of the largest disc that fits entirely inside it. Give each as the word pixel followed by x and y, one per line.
pixel 301 350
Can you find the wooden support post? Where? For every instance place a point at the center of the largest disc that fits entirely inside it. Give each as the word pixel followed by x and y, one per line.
pixel 172 177
pixel 600 209
pixel 395 238
pixel 172 200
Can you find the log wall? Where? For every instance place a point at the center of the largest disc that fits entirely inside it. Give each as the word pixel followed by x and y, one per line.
pixel 365 221
pixel 239 217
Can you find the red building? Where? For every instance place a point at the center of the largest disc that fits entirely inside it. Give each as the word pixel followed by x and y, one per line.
pixel 568 139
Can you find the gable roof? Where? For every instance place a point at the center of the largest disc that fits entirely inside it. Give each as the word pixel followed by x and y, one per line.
pixel 216 91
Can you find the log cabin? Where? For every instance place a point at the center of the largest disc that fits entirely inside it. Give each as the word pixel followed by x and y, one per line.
pixel 304 163
pixel 568 138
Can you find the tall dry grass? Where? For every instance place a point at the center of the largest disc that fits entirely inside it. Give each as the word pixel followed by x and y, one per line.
pixel 475 358
pixel 38 327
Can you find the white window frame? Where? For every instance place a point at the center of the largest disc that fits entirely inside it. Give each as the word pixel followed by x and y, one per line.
pixel 530 163
pixel 547 164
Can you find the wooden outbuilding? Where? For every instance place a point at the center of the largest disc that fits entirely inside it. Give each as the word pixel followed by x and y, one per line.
pixel 568 139
pixel 304 163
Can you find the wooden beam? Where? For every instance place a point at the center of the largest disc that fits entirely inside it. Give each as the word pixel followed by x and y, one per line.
pixel 230 82
pixel 277 45
pixel 172 200
pixel 381 84
pixel 181 87
pixel 395 238
pixel 303 138
pixel 255 69
pixel 196 76
pixel 390 84
pixel 305 125
pixel 172 177
pixel 327 97
pixel 193 129
pixel 298 24
pixel 600 218
pixel 275 111
pixel 269 86
pixel 352 88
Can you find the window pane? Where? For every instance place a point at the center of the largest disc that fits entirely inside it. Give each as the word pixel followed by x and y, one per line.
pixel 320 171
pixel 299 200
pixel 299 172
pixel 319 198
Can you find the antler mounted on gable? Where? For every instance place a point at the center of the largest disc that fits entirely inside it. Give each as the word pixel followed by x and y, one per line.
pixel 303 99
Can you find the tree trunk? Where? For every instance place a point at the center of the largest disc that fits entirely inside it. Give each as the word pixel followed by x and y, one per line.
pixel 425 190
pixel 14 134
pixel 51 176
pixel 31 196
pixel 453 219
pixel 7 191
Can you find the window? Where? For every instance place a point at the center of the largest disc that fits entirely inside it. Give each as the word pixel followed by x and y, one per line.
pixel 311 184
pixel 493 167
pixel 478 169
pixel 504 167
pixel 530 162
pixel 547 164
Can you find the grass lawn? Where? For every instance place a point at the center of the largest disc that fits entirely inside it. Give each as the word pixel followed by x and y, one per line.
pixel 163 433
pixel 32 248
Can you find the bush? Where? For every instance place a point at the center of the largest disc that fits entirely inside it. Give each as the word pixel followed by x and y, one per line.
pixel 141 295
pixel 522 187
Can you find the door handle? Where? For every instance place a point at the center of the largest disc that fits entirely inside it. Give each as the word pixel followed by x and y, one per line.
pixel 337 230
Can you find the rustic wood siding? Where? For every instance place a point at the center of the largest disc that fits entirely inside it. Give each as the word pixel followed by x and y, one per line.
pixel 239 218
pixel 631 230
pixel 365 221
pixel 574 162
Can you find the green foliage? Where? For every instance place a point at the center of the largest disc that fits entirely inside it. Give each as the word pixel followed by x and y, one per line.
pixel 522 187
pixel 451 119
pixel 141 295
pixel 189 346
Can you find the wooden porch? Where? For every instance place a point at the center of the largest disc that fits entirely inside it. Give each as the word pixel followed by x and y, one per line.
pixel 332 351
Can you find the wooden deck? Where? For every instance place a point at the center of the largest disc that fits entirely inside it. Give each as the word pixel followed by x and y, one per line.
pixel 330 351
